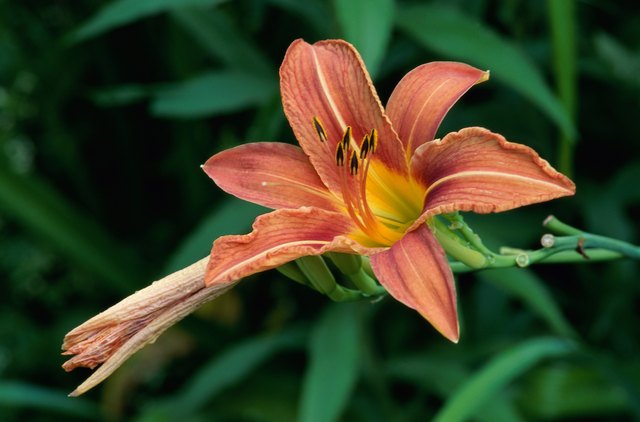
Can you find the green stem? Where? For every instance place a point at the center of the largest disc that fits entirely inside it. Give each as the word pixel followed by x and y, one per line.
pixel 458 223
pixel 469 253
pixel 558 227
pixel 563 31
pixel 457 247
pixel 575 246
pixel 591 241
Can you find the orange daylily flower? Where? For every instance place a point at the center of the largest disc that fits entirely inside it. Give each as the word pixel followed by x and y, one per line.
pixel 366 180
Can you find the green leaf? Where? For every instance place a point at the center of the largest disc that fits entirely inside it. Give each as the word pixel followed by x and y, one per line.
pixel 231 216
pixel 226 370
pixel 122 12
pixel 433 373
pixel 526 286
pixel 40 209
pixel 367 24
pixel 314 12
pixel 620 62
pixel 212 93
pixel 443 375
pixel 452 34
pixel 223 40
pixel 120 95
pixel 333 364
pixel 20 394
pixel 562 22
pixel 571 391
pixel 497 374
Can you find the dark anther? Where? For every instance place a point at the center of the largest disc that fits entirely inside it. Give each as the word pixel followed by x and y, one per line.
pixel 373 140
pixel 339 155
pixel 353 163
pixel 364 147
pixel 319 129
pixel 346 139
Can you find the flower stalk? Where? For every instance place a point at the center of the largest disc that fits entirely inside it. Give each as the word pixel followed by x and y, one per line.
pixel 572 246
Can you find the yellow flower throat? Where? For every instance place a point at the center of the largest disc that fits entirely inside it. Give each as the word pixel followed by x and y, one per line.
pixel 381 202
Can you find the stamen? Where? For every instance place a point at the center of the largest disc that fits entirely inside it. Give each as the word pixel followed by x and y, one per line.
pixel 354 188
pixel 339 154
pixel 364 147
pixel 346 139
pixel 353 163
pixel 373 140
pixel 319 129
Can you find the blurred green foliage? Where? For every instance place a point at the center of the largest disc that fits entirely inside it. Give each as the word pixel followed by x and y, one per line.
pixel 107 109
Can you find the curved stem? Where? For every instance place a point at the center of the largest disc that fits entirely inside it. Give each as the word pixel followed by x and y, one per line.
pixel 573 246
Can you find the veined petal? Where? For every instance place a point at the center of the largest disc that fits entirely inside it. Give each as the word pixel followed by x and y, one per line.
pixel 326 89
pixel 423 97
pixel 415 272
pixel 271 174
pixel 478 170
pixel 279 237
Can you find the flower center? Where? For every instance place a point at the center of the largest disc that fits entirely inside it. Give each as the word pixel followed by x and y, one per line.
pixel 382 203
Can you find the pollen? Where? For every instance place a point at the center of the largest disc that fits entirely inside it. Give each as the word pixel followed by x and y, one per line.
pixel 322 134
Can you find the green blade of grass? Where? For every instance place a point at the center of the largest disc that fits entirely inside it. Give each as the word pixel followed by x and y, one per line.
pixel 46 214
pixel 442 375
pixel 20 394
pixel 367 24
pixel 526 286
pixel 219 37
pixel 502 370
pixel 571 391
pixel 452 34
pixel 121 12
pixel 231 216
pixel 224 371
pixel 333 364
pixel 315 12
pixel 212 93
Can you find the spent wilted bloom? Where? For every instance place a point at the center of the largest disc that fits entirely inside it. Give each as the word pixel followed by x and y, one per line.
pixel 111 337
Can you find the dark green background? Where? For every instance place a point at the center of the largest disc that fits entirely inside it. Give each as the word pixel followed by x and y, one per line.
pixel 107 109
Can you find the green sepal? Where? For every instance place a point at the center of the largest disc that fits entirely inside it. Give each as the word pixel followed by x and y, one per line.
pixel 348 264
pixel 293 272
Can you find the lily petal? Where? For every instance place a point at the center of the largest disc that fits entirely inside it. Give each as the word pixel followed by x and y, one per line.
pixel 423 97
pixel 270 174
pixel 328 81
pixel 478 170
pixel 415 272
pixel 279 237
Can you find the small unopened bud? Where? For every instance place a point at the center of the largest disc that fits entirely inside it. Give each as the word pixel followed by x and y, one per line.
pixel 548 240
pixel 522 260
